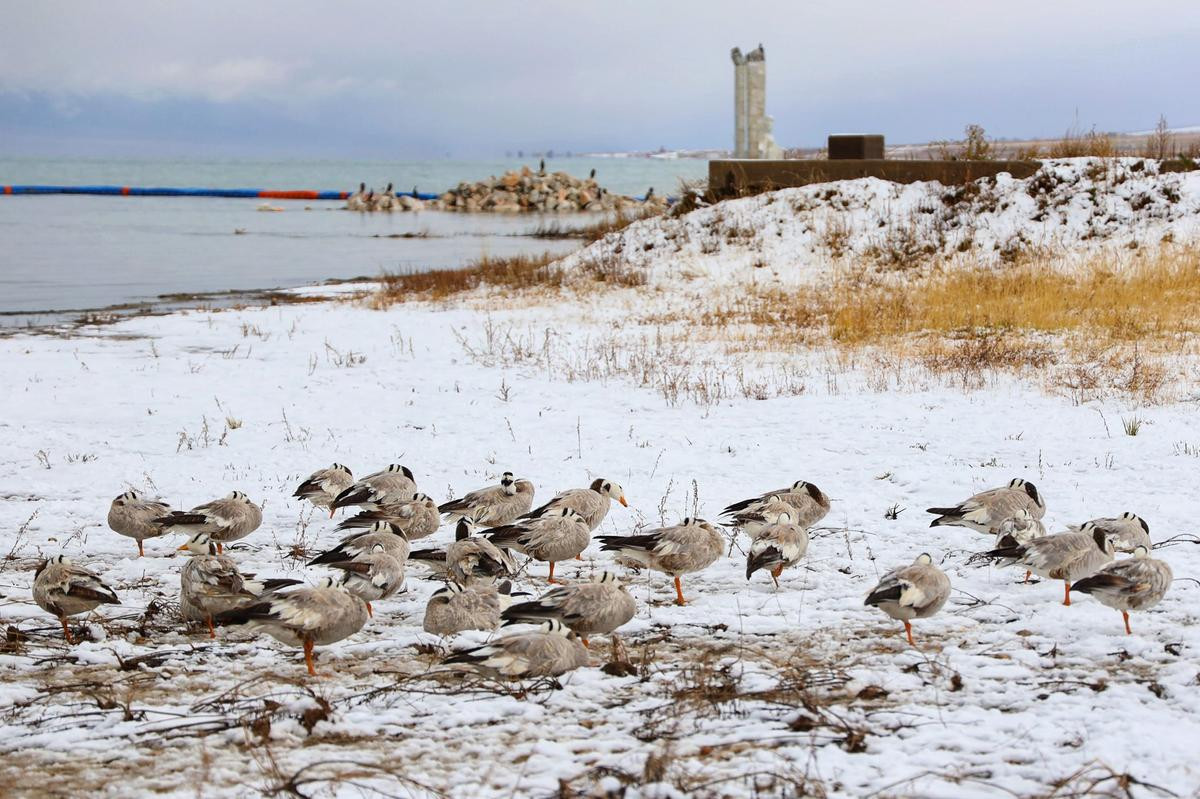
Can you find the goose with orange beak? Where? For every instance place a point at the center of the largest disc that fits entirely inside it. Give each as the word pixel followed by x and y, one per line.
pixel 210 583
pixel 591 503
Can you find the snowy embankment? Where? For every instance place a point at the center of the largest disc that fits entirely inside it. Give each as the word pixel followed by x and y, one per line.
pixel 797 235
pixel 747 691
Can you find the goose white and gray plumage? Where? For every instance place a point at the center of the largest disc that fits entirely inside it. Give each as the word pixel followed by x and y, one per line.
pixel 1127 531
pixel 384 534
pixel 417 517
pixel 1136 583
pixel 456 608
pixel 549 651
pixel 591 503
pixel 778 544
pixel 1062 556
pixel 492 506
pixel 136 517
pixel 685 548
pixel 809 504
pixel 393 485
pixel 594 608
pixel 324 485
pixel 63 588
pixel 987 510
pixel 211 584
pixel 469 559
pixel 556 536
pixel 916 591
pixel 227 519
pixel 372 575
pixel 306 617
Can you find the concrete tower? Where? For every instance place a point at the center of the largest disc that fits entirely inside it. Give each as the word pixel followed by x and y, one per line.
pixel 740 137
pixel 752 127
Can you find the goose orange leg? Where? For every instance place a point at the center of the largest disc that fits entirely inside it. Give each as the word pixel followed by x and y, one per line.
pixel 370 612
pixel 66 630
pixel 141 552
pixel 679 600
pixel 1125 614
pixel 778 570
pixel 552 573
pixel 1027 575
pixel 220 548
pixel 908 632
pixel 1067 593
pixel 308 657
pixel 212 633
pixel 584 641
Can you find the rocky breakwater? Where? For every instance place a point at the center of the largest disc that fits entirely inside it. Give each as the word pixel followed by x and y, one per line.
pixel 527 190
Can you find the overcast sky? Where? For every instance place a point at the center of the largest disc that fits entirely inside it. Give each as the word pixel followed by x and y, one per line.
pixel 476 79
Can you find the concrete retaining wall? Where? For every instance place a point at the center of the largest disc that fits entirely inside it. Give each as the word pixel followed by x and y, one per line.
pixel 729 177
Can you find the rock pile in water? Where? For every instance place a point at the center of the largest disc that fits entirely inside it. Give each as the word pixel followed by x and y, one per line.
pixel 512 192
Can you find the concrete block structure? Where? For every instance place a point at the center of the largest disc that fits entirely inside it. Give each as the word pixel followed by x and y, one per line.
pixel 856 146
pixel 753 136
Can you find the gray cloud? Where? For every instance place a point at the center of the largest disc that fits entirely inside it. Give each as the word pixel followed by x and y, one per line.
pixel 478 78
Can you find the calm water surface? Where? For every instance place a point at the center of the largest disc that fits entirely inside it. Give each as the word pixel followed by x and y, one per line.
pixel 65 252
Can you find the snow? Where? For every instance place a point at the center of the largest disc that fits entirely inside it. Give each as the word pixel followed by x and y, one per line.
pixel 797 235
pixel 746 691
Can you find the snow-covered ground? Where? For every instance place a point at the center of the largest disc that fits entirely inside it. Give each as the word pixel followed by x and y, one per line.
pixel 747 691
pixel 792 236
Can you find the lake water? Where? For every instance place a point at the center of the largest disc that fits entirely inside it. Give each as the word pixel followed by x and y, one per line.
pixel 69 252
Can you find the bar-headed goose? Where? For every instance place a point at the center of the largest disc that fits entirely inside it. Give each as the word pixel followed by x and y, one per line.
pixel 548 651
pixel 136 516
pixel 1136 583
pixel 227 519
pixel 690 546
pixel 393 484
pixel 210 583
pixel 559 535
pixel 985 511
pixel 384 534
pixel 65 589
pixel 1127 531
pixel 375 574
pixel 324 485
pixel 469 559
pixel 916 591
pixel 455 608
pixel 594 608
pixel 777 545
pixel 591 503
pixel 417 517
pixel 809 503
pixel 1062 556
pixel 494 505
pixel 307 617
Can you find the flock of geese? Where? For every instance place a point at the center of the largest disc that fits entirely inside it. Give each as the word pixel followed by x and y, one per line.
pixel 370 200
pixel 494 522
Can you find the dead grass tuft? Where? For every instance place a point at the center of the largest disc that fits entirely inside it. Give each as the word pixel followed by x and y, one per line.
pixel 515 272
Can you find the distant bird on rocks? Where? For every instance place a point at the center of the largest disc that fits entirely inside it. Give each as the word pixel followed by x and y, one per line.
pixel 305 617
pixel 1127 531
pixel 1136 583
pixel 227 519
pixel 323 485
pixel 591 503
pixel 777 545
pixel 1062 556
pixel 542 167
pixel 549 651
pixel 554 537
pixel 136 517
pixel 808 502
pixel 685 548
pixel 916 591
pixel 210 583
pixel 594 608
pixel 592 174
pixel 985 511
pixel 62 588
pixel 393 484
pixel 494 505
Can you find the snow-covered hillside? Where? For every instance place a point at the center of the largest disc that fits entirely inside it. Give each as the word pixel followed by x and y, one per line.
pixel 796 235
